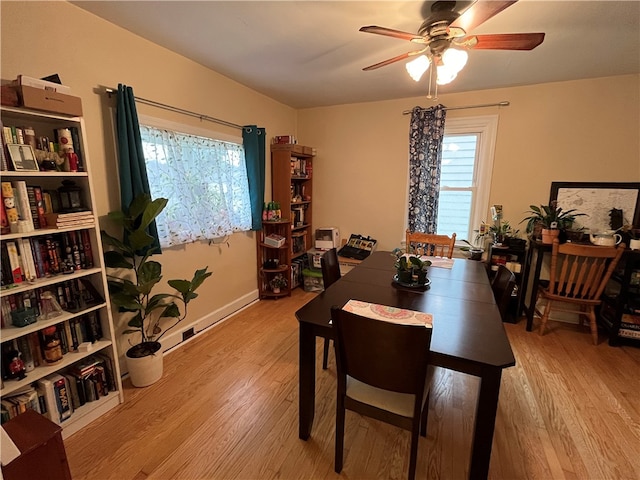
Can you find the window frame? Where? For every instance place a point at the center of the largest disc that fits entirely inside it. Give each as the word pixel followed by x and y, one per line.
pixel 486 127
pixel 186 129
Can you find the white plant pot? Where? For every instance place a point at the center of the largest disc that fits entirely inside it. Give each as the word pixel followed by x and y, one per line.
pixel 144 371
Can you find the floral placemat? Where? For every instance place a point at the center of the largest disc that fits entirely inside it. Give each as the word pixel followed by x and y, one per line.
pixel 389 314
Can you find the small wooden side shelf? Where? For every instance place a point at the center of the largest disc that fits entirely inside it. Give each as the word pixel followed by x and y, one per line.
pixel 274 260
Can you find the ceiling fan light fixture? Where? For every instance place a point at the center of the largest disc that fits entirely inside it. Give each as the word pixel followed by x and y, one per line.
pixel 455 59
pixel 417 67
pixel 446 74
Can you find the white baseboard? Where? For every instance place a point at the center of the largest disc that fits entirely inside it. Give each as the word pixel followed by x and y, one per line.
pixel 175 339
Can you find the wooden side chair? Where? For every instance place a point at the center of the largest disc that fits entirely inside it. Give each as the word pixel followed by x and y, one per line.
pixel 502 286
pixel 382 372
pixel 578 276
pixel 330 274
pixel 430 244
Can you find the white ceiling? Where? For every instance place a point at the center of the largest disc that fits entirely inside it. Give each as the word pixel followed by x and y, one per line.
pixel 310 53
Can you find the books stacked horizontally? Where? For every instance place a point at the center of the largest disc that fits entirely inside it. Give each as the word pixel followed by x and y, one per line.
pixel 72 219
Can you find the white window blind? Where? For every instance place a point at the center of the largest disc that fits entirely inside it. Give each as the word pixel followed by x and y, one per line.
pixel 465 178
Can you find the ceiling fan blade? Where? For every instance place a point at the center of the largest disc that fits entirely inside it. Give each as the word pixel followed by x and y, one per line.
pixel 393 60
pixel 480 12
pixel 502 41
pixel 389 32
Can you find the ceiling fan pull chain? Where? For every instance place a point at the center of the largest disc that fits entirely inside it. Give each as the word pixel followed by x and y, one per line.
pixel 430 80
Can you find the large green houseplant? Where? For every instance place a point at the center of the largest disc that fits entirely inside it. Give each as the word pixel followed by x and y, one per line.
pixel 135 277
pixel 550 218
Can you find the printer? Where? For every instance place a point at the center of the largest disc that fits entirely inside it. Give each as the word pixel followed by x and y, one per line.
pixel 327 238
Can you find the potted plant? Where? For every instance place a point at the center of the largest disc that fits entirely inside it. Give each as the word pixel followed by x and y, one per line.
pixel 550 219
pixel 500 231
pixel 475 253
pixel 278 282
pixel 410 269
pixel 131 287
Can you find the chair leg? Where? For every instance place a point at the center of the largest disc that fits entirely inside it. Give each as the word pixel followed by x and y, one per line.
pixel 413 455
pixel 424 417
pixel 325 354
pixel 545 317
pixel 592 323
pixel 340 414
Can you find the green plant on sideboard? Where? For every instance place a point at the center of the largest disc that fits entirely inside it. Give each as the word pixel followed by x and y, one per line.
pixel 550 217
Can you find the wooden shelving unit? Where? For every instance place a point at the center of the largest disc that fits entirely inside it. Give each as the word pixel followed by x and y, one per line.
pixel 620 309
pixel 268 254
pixel 292 187
pixel 93 272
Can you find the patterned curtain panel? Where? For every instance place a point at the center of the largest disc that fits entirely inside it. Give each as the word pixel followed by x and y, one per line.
pixel 425 157
pixel 211 199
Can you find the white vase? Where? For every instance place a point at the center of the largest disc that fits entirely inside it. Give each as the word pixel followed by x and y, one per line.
pixel 145 370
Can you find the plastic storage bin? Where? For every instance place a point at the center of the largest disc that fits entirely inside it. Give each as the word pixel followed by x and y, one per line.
pixel 312 280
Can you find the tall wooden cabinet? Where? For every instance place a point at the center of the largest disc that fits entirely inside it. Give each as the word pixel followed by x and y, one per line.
pixel 292 187
pixel 84 329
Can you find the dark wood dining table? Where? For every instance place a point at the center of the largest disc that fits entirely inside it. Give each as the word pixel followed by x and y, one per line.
pixel 468 334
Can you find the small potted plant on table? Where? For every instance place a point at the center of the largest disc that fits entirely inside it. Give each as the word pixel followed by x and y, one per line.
pixel 410 269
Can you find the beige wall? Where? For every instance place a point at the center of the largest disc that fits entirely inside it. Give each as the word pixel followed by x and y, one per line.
pixel 42 38
pixel 574 131
pixel 586 130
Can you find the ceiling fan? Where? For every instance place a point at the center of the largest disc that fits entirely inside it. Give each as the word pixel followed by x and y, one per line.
pixel 446 27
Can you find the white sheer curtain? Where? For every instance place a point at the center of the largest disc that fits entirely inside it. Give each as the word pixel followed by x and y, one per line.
pixel 205 181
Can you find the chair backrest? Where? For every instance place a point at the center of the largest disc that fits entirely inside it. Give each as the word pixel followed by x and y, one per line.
pixel 385 355
pixel 430 244
pixel 502 285
pixel 330 267
pixel 580 272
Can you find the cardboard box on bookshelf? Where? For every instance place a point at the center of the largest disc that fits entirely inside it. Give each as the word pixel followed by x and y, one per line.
pixel 275 240
pixel 48 101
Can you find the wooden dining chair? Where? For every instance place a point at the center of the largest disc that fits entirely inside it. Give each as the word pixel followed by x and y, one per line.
pixel 330 274
pixel 577 279
pixel 383 372
pixel 430 244
pixel 502 286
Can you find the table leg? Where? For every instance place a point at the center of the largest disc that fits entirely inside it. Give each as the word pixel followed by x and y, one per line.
pixel 307 380
pixel 485 423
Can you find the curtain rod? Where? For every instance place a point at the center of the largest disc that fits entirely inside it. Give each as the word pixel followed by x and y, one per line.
pixel 500 104
pixel 111 91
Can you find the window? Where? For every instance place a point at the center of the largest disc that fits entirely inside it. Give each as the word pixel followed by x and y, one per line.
pixel 205 180
pixel 465 178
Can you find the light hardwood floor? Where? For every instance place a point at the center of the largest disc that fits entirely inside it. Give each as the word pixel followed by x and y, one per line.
pixel 226 408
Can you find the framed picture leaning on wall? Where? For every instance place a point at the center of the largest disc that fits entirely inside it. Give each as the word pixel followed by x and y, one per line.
pixel 22 157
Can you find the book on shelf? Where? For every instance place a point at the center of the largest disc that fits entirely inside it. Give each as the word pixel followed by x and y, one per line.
pixel 26 257
pixel 74 391
pixel 62 220
pixel 14 260
pixel 20 401
pixel 55 391
pixel 36 204
pixel 9 203
pixel 22 202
